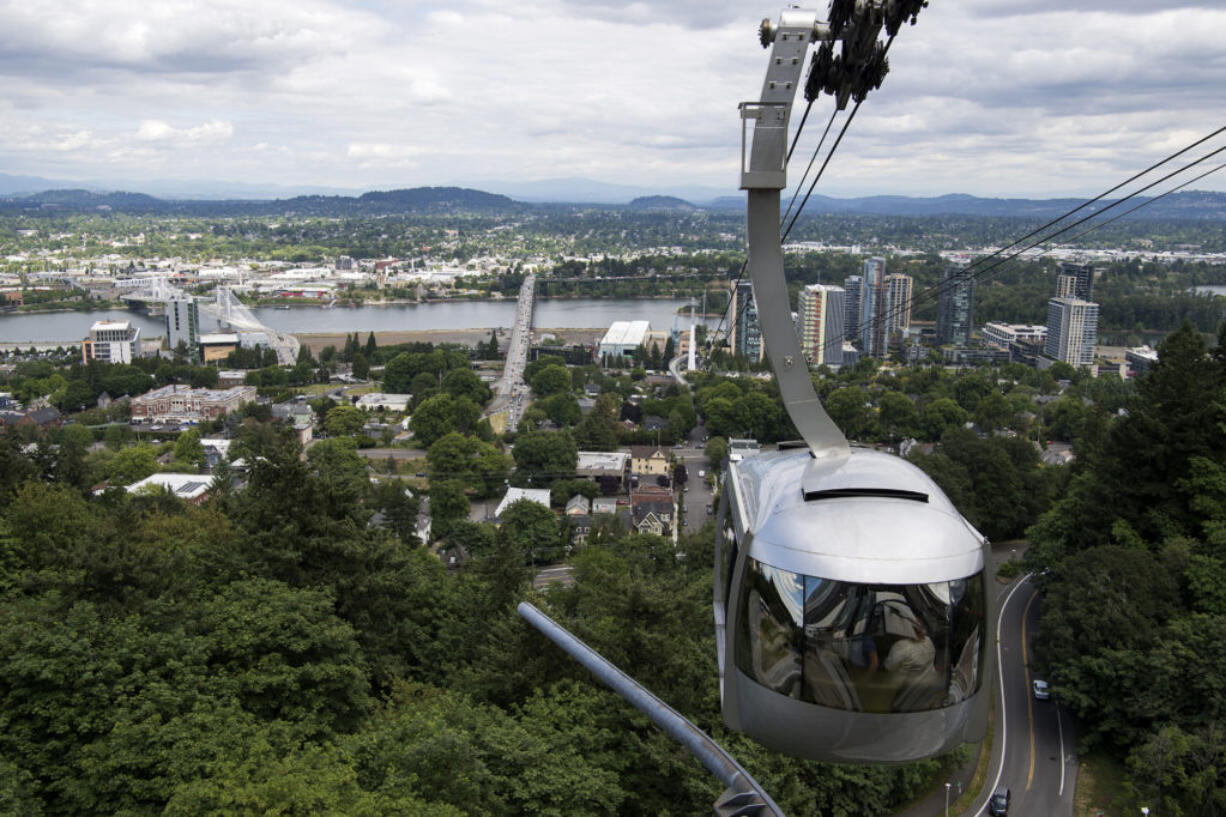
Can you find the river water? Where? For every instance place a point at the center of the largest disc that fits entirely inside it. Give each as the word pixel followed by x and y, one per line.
pixel 585 313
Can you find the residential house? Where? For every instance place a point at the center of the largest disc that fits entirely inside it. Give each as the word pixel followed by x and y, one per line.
pixel 580 526
pixel 651 510
pixel 604 505
pixel 648 462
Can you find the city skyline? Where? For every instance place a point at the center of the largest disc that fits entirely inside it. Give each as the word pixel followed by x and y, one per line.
pixel 378 95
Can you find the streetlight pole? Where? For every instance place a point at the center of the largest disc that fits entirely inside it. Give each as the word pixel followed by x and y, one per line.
pixel 1144 811
pixel 947 785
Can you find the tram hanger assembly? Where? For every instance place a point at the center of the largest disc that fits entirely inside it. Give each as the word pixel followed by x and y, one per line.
pixel 852 608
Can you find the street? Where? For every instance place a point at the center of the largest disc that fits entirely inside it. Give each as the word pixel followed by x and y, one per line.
pixel 1033 754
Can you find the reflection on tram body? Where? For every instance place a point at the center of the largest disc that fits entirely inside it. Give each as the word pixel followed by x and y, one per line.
pixel 862 647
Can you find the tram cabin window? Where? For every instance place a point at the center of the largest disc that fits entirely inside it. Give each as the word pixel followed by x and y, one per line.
pixel 862 647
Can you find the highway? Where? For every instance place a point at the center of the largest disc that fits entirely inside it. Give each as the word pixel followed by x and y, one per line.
pixel 511 392
pixel 1033 751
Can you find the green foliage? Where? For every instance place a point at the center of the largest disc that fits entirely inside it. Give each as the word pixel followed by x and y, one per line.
pixel 995 482
pixel 550 380
pixel 532 528
pixel 543 456
pixel 440 415
pixel 448 505
pixel 188 449
pixel 344 421
pixel 475 463
pixel 465 383
pixel 562 408
pixel 598 430
pixel 132 464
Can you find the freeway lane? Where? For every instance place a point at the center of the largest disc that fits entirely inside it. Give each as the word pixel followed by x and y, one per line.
pixel 1039 765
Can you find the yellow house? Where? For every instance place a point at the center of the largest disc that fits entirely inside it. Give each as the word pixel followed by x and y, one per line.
pixel 648 460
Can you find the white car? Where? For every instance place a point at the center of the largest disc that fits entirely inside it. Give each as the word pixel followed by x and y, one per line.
pixel 1042 691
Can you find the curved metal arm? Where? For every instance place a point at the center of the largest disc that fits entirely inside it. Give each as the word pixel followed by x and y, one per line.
pixel 744 796
pixel 763 176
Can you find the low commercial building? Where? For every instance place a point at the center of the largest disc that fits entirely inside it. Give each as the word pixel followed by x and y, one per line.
pixel 1140 359
pixel 193 488
pixel 182 404
pixel 609 469
pixel 217 345
pixel 1002 335
pixel 391 402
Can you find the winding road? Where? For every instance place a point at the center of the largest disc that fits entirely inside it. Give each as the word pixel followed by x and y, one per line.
pixel 1033 754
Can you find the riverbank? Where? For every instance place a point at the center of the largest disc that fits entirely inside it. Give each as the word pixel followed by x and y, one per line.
pixel 318 341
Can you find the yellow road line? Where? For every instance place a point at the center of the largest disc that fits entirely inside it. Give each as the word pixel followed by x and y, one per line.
pixel 1029 697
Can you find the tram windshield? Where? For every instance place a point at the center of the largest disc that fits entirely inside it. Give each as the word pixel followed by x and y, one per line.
pixel 863 647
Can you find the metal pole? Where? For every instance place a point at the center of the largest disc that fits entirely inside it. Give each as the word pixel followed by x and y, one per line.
pixel 743 797
pixel 947 785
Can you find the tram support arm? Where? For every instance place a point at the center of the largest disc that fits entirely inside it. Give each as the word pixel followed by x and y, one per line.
pixel 763 176
pixel 744 796
pixel 770 294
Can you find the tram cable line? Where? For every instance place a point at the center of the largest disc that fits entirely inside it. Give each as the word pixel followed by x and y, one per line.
pixel 812 159
pixel 1148 202
pixel 981 268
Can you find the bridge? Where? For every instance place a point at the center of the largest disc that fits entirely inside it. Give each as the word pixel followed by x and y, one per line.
pixel 225 307
pixel 511 392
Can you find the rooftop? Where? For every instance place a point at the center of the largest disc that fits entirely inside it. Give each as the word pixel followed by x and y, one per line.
pixel 184 486
pixel 627 332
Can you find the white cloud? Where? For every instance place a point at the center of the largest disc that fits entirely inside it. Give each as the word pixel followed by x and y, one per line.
pixel 209 133
pixel 984 96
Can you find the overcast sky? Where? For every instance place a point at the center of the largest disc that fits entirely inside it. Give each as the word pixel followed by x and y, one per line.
pixel 989 97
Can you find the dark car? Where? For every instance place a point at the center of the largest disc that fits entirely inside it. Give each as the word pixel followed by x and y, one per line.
pixel 998 805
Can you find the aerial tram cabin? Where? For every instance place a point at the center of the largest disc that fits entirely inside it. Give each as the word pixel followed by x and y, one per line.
pixel 854 619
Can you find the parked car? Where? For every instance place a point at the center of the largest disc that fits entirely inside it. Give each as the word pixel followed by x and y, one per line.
pixel 1041 690
pixel 998 805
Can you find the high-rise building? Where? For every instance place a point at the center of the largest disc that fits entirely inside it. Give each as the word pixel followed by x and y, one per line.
pixel 1075 281
pixel 873 308
pixel 898 290
pixel 956 307
pixel 851 322
pixel 111 342
pixel 1072 330
pixel 822 311
pixel 746 337
pixel 183 326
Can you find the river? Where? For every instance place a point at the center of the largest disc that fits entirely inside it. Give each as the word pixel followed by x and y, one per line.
pixel 580 313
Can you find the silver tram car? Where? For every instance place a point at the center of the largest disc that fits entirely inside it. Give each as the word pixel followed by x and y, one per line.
pixel 853 621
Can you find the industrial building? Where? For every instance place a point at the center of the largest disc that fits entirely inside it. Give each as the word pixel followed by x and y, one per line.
pixel 623 338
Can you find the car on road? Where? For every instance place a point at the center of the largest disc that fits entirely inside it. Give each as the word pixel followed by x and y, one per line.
pixel 998 804
pixel 1042 691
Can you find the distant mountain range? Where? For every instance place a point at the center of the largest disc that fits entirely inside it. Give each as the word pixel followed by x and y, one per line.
pixel 1187 205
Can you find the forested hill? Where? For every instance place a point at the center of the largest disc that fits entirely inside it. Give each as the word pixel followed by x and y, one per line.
pixel 418 199
pixel 1200 205
pixel 1194 205
pixel 660 203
